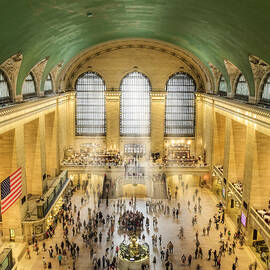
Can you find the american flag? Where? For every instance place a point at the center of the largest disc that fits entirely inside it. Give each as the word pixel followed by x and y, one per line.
pixel 11 190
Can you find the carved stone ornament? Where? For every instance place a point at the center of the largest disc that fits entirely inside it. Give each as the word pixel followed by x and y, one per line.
pixel 215 71
pixel 233 71
pixel 12 67
pixel 258 67
pixel 54 74
pixel 38 71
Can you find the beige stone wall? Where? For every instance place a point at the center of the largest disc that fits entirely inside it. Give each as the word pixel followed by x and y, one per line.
pixel 115 59
pixel 114 65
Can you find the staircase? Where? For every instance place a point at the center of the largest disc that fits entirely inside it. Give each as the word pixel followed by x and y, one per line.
pixel 160 188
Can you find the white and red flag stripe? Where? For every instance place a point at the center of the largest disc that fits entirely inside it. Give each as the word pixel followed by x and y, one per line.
pixel 11 190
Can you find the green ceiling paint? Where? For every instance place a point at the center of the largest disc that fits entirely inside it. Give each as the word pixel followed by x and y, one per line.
pixel 212 30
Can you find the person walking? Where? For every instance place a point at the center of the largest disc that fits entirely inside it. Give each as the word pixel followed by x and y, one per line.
pixel 209 254
pixel 154 261
pixel 189 260
pixel 60 259
pixel 28 253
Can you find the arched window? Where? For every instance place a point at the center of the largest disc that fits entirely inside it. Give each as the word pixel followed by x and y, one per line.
pixel 135 105
pixel 266 91
pixel 242 91
pixel 4 88
pixel 222 87
pixel 180 106
pixel 48 86
pixel 90 105
pixel 29 87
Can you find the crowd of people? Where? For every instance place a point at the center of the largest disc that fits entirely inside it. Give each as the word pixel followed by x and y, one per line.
pixel 131 221
pixel 96 229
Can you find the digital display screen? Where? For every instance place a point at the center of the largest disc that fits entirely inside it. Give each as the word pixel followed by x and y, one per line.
pixel 243 219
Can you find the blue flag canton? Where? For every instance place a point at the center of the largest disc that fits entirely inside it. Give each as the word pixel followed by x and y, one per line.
pixel 5 188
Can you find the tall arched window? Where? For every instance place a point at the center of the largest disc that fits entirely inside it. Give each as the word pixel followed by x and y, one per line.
pixel 4 88
pixel 242 91
pixel 135 105
pixel 180 106
pixel 222 87
pixel 90 105
pixel 266 91
pixel 29 86
pixel 48 86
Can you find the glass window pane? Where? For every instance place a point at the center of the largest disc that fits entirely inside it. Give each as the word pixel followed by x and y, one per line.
pixel 135 105
pixel 29 87
pixel 4 87
pixel 266 90
pixel 180 106
pixel 90 105
pixel 48 87
pixel 242 87
pixel 222 85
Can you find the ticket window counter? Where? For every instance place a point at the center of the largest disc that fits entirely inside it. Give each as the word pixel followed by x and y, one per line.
pixel 52 215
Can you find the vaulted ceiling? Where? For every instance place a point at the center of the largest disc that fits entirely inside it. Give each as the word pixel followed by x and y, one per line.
pixel 60 29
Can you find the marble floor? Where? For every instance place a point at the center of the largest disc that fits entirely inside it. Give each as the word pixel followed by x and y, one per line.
pixel 168 227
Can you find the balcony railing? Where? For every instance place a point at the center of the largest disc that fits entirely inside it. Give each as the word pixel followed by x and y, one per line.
pixel 235 191
pixel 259 220
pixel 218 172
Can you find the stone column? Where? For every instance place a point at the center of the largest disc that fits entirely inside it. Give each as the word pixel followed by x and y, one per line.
pixel 158 104
pixel 42 150
pixel 34 156
pixel 248 177
pixel 208 131
pixel 113 119
pixel 199 126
